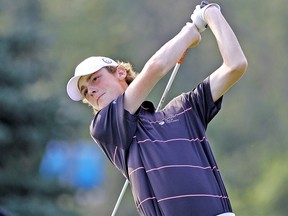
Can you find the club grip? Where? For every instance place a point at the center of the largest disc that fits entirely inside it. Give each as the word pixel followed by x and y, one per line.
pixel 203 4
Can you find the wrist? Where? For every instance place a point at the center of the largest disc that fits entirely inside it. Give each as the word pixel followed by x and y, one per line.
pixel 191 27
pixel 193 33
pixel 210 10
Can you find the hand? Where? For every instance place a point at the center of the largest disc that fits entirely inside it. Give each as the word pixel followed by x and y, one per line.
pixel 198 17
pixel 198 20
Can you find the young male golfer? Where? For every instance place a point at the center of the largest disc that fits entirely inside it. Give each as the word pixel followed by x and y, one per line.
pixel 165 155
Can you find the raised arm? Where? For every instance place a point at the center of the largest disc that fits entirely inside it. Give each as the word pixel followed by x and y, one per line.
pixel 234 61
pixel 159 65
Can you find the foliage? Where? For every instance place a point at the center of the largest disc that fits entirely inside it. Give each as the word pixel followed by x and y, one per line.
pixel 28 118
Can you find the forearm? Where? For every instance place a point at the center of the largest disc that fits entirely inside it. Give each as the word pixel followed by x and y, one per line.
pixel 159 65
pixel 228 44
pixel 234 61
pixel 168 55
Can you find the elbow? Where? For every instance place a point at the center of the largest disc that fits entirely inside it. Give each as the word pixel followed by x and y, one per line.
pixel 243 65
pixel 239 67
pixel 156 67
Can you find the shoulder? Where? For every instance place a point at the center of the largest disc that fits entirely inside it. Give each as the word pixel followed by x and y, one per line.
pixel 113 124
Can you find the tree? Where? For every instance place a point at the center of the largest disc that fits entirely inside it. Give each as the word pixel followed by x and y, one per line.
pixel 29 117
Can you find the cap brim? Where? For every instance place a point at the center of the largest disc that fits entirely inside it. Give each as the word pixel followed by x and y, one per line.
pixel 72 89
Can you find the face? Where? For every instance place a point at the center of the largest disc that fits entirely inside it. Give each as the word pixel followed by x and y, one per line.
pixel 102 87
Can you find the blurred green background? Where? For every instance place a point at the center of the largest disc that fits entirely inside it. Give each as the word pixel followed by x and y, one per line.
pixel 42 41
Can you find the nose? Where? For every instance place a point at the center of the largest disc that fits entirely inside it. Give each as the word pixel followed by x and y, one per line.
pixel 92 90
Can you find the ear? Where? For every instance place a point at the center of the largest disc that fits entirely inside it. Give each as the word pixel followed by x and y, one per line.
pixel 121 72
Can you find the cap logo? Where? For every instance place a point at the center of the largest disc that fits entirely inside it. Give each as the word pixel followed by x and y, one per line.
pixel 107 60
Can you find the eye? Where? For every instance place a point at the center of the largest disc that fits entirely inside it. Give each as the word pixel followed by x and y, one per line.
pixel 95 78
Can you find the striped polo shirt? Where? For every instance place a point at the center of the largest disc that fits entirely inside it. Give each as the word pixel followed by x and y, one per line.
pixel 166 155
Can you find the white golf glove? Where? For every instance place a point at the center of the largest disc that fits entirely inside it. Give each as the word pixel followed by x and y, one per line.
pixel 198 16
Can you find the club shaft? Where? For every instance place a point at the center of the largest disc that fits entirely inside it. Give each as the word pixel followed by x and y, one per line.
pixel 168 86
pixel 171 80
pixel 120 197
pixel 164 95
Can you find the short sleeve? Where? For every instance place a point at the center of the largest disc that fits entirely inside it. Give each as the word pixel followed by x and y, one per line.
pixel 113 129
pixel 202 102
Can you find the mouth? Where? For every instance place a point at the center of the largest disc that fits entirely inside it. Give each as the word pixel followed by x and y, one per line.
pixel 97 99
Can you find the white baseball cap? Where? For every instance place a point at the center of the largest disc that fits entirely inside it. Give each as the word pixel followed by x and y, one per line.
pixel 86 67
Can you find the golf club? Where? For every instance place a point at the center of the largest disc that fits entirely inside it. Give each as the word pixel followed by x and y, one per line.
pixel 164 95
